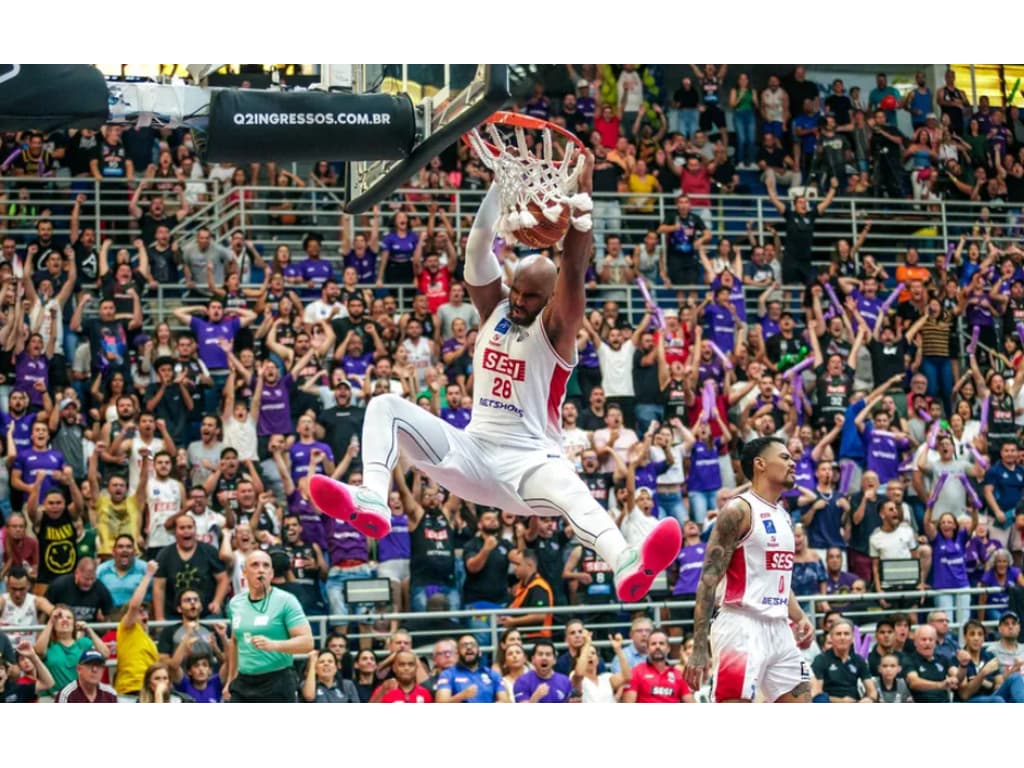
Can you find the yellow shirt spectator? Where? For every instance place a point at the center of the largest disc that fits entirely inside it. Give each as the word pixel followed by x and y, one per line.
pixel 642 183
pixel 135 652
pixel 114 518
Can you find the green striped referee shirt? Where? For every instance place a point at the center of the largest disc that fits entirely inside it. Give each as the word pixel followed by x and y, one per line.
pixel 271 617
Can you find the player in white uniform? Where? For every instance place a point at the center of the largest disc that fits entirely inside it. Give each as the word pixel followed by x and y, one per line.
pixel 751 547
pixel 24 614
pixel 164 499
pixel 510 456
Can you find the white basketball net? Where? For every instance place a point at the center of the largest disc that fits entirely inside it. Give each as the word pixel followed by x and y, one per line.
pixel 523 178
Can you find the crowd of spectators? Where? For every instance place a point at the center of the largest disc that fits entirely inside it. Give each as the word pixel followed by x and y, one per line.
pixel 144 460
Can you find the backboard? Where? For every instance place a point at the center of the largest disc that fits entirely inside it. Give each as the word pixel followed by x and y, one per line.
pixel 449 99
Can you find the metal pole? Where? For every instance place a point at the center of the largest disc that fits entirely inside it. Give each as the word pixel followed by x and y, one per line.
pixel 96 209
pixel 760 222
pixel 853 233
pixel 974 87
pixel 241 208
pixel 945 225
pixel 493 622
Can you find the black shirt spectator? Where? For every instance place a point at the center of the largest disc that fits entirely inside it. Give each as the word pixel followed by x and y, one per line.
pixel 340 424
pixel 167 400
pixel 82 149
pixel 839 104
pixel 840 678
pixel 199 573
pixel 550 552
pixel 773 157
pixel 607 174
pixel 490 583
pixel 932 670
pixel 887 357
pixel 782 350
pixel 92 604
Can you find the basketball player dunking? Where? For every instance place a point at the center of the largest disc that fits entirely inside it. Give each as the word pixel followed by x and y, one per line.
pixel 510 455
pixel 751 546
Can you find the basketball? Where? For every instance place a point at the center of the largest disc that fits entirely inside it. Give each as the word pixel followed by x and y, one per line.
pixel 889 102
pixel 545 232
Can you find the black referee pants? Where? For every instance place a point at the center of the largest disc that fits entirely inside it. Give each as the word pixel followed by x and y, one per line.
pixel 278 687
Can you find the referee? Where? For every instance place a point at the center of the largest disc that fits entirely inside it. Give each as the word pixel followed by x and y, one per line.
pixel 267 628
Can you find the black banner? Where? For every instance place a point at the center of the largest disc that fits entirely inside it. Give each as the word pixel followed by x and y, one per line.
pixel 247 125
pixel 50 96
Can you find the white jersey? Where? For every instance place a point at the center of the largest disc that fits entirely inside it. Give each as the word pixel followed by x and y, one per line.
pixel 24 615
pixel 208 526
pixel 518 384
pixel 164 500
pixel 773 106
pixel 154 447
pixel 761 570
pixel 574 442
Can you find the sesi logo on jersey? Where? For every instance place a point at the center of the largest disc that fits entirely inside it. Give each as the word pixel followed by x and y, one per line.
pixel 778 561
pixel 500 330
pixel 501 363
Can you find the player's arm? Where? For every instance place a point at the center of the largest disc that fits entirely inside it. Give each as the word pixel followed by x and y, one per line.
pixel 483 273
pixel 804 627
pixel 731 526
pixel 564 313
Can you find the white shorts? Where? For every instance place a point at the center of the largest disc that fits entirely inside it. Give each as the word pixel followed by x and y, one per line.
pixel 752 656
pixel 486 473
pixel 394 570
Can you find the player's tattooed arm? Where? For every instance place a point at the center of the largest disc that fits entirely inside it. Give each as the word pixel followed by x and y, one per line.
pixel 731 526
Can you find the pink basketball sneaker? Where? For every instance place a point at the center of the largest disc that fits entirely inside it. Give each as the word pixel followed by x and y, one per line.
pixel 358 506
pixel 637 568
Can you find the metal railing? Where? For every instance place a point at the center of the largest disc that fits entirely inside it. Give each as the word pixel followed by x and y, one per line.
pixel 663 614
pixel 896 223
pixel 25 200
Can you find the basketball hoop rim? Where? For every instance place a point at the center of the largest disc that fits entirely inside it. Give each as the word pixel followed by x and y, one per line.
pixel 518 120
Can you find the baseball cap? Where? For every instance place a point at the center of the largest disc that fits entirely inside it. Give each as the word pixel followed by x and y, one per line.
pixel 645 489
pixel 582 84
pixel 931 116
pixel 343 383
pixel 91 656
pixel 671 313
pixel 1009 615
pixel 66 402
pixel 141 339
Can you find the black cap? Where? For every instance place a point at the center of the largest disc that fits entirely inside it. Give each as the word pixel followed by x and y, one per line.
pixel 1009 615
